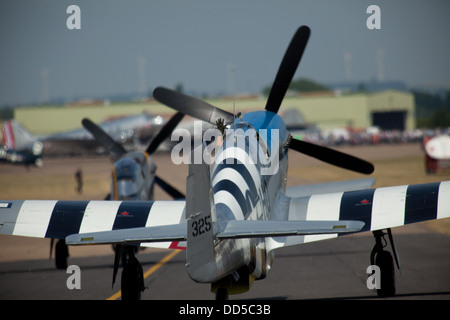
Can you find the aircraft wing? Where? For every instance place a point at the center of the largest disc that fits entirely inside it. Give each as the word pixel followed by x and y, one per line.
pixel 379 208
pixel 59 219
pixel 310 218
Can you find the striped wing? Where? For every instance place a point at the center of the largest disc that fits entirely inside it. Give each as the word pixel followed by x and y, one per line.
pixel 379 208
pixel 59 219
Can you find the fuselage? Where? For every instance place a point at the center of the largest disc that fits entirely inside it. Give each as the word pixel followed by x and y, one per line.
pixel 132 177
pixel 247 176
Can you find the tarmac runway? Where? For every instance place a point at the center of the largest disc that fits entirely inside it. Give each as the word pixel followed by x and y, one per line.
pixel 331 269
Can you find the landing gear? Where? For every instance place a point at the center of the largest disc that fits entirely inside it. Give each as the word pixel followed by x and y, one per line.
pixel 237 282
pixel 383 259
pixel 221 294
pixel 61 254
pixel 132 281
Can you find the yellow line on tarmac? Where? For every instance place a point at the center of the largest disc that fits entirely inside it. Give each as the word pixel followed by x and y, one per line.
pixel 150 271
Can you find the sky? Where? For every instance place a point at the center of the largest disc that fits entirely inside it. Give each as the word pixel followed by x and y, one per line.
pixel 213 46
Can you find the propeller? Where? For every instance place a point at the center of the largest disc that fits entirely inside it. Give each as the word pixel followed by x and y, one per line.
pixel 191 106
pixel 165 132
pixel 118 150
pixel 169 189
pixel 117 255
pixel 331 156
pixel 103 138
pixel 287 68
pixel 206 112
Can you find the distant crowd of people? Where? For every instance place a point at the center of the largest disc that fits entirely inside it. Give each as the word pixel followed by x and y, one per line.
pixel 371 136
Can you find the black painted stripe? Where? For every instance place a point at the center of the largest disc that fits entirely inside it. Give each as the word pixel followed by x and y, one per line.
pixel 66 219
pixel 132 214
pixel 421 202
pixel 357 205
pixel 241 169
pixel 223 212
pixel 232 188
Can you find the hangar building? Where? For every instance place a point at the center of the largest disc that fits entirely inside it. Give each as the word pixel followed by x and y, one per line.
pixel 387 109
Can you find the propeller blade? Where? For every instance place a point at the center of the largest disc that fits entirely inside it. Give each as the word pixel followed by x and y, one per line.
pixel 191 106
pixel 117 255
pixel 394 250
pixel 169 189
pixel 287 68
pixel 103 138
pixel 331 156
pixel 165 132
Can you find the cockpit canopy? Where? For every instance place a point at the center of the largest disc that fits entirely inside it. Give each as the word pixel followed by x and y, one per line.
pixel 264 124
pixel 130 178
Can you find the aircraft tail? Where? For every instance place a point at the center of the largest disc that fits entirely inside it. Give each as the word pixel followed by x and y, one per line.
pixel 8 135
pixel 201 218
pixel 15 136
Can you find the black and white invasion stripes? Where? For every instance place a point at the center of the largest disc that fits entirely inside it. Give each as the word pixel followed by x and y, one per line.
pixel 235 183
pixel 58 219
pixel 379 208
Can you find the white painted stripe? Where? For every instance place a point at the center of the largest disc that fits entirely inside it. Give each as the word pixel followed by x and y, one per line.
pixel 164 245
pixel 99 216
pixel 279 242
pixel 159 245
pixel 33 218
pixel 323 207
pixel 165 213
pixel 388 207
pixel 236 153
pixel 319 237
pixel 230 201
pixel 444 200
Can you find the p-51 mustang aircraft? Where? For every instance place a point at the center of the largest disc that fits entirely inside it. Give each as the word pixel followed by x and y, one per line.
pixel 133 176
pixel 239 212
pixel 22 147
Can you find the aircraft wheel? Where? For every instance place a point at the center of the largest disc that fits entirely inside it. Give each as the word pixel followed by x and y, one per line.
pixel 132 280
pixel 61 254
pixel 221 294
pixel 386 264
pixel 39 163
